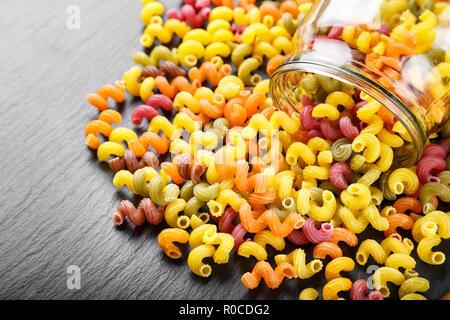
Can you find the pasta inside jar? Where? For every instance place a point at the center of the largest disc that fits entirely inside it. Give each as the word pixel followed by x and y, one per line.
pixel 376 67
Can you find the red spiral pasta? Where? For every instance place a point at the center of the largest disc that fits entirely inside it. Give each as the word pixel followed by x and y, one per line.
pixel 347 128
pixel 428 167
pixel 340 174
pixel 238 234
pixel 185 170
pixel 145 211
pixel 359 291
pixel 331 133
pixel 130 162
pixel 317 235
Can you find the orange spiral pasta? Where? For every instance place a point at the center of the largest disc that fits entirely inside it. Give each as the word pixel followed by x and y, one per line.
pixel 171 169
pixel 208 70
pixel 398 220
pixel 253 102
pixel 168 236
pixel 273 63
pixel 258 181
pixel 92 129
pixel 269 219
pixel 149 139
pixel 267 8
pixel 273 278
pixel 178 84
pixel 345 235
pixel 324 249
pixel 213 110
pixel 235 112
pixel 100 99
pixel 405 204
pixel 224 167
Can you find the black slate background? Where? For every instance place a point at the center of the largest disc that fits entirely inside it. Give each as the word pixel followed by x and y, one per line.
pixel 57 199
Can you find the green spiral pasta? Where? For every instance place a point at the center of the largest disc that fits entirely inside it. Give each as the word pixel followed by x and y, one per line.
pixel 140 182
pixel 245 71
pixel 342 149
pixel 205 192
pixel 193 206
pixel 444 177
pixel 384 186
pixel 156 193
pixel 431 189
pixel 158 53
pixel 371 175
pixel 187 191
pixel 240 52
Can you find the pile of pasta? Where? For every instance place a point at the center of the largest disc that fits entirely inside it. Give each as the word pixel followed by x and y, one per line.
pixel 243 175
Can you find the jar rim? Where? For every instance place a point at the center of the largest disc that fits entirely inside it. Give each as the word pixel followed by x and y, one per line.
pixel 357 79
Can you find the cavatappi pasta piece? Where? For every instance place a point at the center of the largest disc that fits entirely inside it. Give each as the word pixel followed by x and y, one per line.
pixel 266 237
pixel 168 236
pixel 332 288
pixel 335 266
pixel 394 245
pixel 251 248
pixel 372 248
pixel 273 278
pixel 224 240
pixel 195 260
pixel 172 216
pixel 357 196
pixel 430 224
pixel 425 253
pixel 384 275
pixel 400 260
pixel 413 285
pixel 298 259
pixel 308 294
pixel 403 180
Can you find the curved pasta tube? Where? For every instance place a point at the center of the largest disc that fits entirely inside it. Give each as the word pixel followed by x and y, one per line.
pixel 324 110
pixel 392 244
pixel 299 149
pixel 385 274
pixel 308 294
pixel 153 8
pixel 335 266
pixel 226 197
pixel 273 278
pixel 403 180
pixel 400 260
pixel 333 287
pixel 441 221
pixel 369 145
pixel 266 237
pixel 413 285
pixel 255 33
pixel 375 219
pixel 216 49
pixel 327 210
pixel 298 259
pixel 224 240
pixel 172 217
pixel 354 224
pixel 167 237
pixel 240 53
pixel 269 218
pixel 257 122
pixel 251 248
pixel 357 196
pixel 244 71
pixel 431 189
pixel 108 148
pixel 195 260
pixel 190 51
pixel 426 254
pixel 372 248
pixel 289 124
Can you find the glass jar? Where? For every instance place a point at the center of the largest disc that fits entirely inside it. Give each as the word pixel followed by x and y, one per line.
pixel 395 51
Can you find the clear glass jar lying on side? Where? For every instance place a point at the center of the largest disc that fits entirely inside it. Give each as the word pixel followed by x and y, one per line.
pixel 395 51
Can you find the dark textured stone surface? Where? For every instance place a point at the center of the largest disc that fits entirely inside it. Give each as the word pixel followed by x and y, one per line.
pixel 57 199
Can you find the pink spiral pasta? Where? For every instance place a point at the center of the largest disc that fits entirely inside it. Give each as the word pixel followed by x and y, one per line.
pixel 428 167
pixel 226 220
pixel 330 132
pixel 238 234
pixel 315 133
pixel 340 174
pixel 141 112
pixel 298 237
pixel 307 120
pixel 359 291
pixel 317 235
pixel 335 32
pixel 347 128
pixel 435 150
